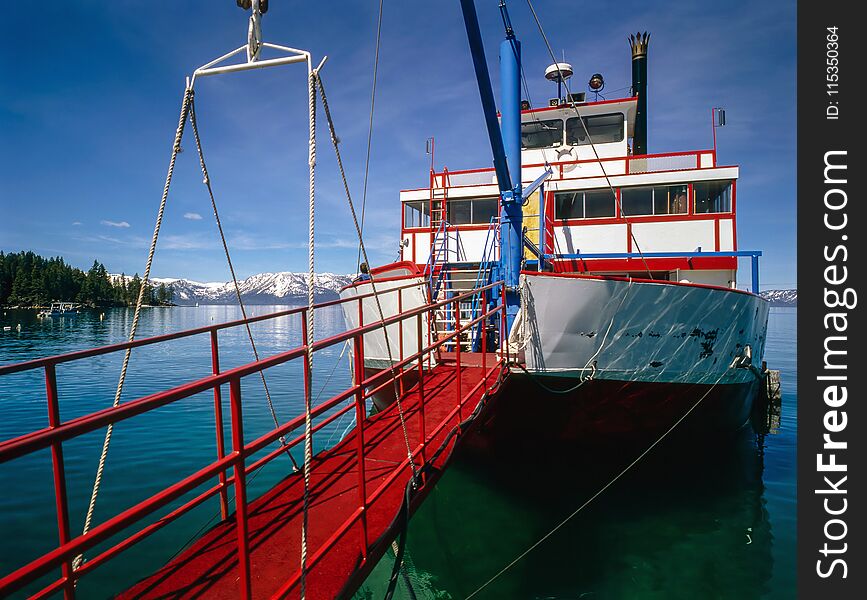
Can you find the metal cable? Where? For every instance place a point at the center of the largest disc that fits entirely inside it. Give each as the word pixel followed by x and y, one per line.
pixel 370 123
pixel 206 179
pixel 176 147
pixel 587 133
pixel 601 490
pixel 372 282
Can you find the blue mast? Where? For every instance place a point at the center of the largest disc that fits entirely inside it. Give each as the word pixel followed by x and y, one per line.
pixel 505 145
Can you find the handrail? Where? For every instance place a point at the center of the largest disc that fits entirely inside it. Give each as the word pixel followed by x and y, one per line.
pixel 628 157
pixel 58 432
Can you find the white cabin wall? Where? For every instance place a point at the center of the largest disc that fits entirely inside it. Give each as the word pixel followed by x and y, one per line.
pixel 590 238
pixel 675 236
pixel 726 235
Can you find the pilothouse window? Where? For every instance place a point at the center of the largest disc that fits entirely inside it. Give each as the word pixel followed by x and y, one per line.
pixel 472 211
pixel 542 134
pixel 713 196
pixel 416 214
pixel 658 200
pixel 584 204
pixel 603 129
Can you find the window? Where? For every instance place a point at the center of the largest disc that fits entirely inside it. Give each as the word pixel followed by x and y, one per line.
pixel 669 200
pixel 637 201
pixel 459 212
pixel 658 200
pixel 713 196
pixel 603 129
pixel 599 204
pixel 542 134
pixel 416 214
pixel 485 209
pixel 584 204
pixel 472 210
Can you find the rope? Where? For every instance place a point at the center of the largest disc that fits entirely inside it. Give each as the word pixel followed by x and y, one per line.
pixel 601 490
pixel 176 147
pixel 308 425
pixel 206 179
pixel 587 133
pixel 370 126
pixel 372 282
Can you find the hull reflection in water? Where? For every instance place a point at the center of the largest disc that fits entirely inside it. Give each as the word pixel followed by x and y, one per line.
pixel 700 529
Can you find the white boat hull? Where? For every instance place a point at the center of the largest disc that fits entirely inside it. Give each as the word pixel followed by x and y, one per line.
pixel 627 330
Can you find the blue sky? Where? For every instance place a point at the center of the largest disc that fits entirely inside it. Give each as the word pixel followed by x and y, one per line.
pixel 90 94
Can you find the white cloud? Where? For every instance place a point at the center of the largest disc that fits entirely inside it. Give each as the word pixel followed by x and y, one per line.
pixel 193 216
pixel 76 222
pixel 122 224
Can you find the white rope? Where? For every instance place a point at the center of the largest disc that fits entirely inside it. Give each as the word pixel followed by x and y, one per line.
pixel 601 490
pixel 308 432
pixel 176 146
pixel 372 279
pixel 206 179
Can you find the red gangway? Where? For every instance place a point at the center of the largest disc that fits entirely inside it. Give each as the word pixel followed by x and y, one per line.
pixel 356 488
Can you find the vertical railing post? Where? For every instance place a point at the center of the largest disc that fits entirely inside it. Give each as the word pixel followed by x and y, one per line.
pixel 755 273
pixel 59 470
pixel 218 420
pixel 504 335
pixel 400 335
pixel 484 323
pixel 360 416
pixel 240 488
pixel 421 399
pixel 457 309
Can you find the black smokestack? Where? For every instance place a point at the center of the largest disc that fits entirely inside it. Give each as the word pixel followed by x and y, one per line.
pixel 638 43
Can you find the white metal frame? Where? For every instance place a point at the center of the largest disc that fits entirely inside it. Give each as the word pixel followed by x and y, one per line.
pixel 253 49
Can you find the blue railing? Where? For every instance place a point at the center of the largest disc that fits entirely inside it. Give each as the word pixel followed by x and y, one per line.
pixel 752 254
pixel 483 277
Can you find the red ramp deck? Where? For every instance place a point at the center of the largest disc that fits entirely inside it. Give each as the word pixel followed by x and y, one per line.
pixel 210 567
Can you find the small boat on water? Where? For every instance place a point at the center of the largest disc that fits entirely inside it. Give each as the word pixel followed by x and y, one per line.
pixel 620 268
pixel 60 309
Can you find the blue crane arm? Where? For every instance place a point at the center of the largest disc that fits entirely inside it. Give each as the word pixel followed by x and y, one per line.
pixel 480 64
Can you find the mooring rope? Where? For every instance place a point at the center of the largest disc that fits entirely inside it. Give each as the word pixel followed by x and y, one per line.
pixel 176 147
pixel 206 179
pixel 602 489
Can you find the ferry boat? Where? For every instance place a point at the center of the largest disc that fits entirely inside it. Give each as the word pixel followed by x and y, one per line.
pixel 621 267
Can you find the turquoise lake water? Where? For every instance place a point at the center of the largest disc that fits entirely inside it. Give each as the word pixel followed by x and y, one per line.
pixel 698 522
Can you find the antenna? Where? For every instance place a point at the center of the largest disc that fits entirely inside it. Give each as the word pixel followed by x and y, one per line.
pixel 559 72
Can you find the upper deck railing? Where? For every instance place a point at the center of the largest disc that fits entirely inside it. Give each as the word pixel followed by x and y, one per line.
pixel 231 468
pixel 588 168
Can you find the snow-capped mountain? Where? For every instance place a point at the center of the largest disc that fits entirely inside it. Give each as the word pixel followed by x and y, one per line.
pixel 264 288
pixel 781 297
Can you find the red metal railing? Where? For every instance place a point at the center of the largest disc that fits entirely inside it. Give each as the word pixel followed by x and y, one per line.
pixel 615 165
pixel 58 432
